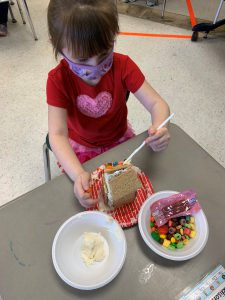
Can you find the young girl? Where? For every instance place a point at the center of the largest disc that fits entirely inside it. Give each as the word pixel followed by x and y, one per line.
pixel 86 92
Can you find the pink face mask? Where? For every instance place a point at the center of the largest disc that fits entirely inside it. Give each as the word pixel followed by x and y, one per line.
pixel 91 72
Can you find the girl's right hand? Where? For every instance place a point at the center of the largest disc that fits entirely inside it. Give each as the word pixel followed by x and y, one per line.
pixel 81 187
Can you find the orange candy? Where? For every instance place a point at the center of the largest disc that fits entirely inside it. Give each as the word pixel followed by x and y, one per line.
pixel 89 190
pixel 152 219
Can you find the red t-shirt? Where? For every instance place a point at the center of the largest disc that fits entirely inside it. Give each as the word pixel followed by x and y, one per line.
pixel 96 115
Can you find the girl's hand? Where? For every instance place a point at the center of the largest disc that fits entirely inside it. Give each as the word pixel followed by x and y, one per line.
pixel 158 140
pixel 81 190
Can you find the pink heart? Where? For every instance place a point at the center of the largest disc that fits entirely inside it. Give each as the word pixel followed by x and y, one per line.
pixel 96 107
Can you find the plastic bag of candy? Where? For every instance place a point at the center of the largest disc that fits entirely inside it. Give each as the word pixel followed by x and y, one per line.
pixel 182 204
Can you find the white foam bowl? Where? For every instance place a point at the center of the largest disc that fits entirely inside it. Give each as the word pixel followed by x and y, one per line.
pixel 66 249
pixel 195 245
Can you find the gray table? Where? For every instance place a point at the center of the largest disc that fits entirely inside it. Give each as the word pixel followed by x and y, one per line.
pixel 29 223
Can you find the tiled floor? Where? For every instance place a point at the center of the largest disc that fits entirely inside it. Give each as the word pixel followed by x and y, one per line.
pixel 190 76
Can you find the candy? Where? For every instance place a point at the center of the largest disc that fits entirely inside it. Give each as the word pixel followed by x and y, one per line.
pixel 152 219
pixel 172 230
pixel 192 219
pixel 151 224
pixel 192 234
pixel 172 247
pixel 185 241
pixel 180 245
pixel 175 234
pixel 155 236
pixel 166 243
pixel 182 221
pixel 163 229
pixel 188 225
pixel 108 167
pixel 89 190
pixel 187 231
pixel 161 241
pixel 115 163
pixel 169 236
pixel 162 236
pixel 173 240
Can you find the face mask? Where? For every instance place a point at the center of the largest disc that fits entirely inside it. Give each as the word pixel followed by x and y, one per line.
pixel 91 72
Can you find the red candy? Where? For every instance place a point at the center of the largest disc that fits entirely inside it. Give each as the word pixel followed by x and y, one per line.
pixel 187 231
pixel 163 229
pixel 152 219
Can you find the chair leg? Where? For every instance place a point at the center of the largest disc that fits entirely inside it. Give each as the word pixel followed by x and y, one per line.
pixel 218 11
pixel 12 15
pixel 163 9
pixel 29 19
pixel 46 159
pixel 21 12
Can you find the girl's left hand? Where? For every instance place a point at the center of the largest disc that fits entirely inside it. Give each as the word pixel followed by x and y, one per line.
pixel 158 140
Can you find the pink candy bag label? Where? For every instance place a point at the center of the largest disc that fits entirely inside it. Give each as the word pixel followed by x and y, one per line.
pixel 177 205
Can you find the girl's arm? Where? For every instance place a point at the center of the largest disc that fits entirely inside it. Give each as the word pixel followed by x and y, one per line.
pixel 58 137
pixel 159 110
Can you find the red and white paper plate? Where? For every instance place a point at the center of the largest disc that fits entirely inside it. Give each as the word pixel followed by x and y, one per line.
pixel 126 215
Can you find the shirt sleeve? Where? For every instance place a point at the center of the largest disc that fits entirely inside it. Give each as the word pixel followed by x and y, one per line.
pixel 133 77
pixel 55 91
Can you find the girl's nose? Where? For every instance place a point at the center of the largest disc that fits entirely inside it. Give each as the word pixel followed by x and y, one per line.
pixel 95 61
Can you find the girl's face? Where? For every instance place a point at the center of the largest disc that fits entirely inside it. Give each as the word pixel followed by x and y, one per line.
pixel 93 61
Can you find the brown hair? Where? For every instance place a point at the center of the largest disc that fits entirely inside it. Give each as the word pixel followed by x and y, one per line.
pixel 85 27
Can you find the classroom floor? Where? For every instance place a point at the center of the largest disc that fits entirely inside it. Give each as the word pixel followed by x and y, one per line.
pixel 188 75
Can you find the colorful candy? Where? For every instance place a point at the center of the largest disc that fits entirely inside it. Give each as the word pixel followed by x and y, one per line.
pixel 175 234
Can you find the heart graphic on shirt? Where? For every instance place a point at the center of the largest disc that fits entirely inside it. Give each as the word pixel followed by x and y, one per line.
pixel 94 107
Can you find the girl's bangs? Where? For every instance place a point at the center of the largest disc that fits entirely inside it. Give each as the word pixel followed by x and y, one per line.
pixel 87 39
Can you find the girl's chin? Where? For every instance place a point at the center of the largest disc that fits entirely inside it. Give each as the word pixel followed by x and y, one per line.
pixel 93 81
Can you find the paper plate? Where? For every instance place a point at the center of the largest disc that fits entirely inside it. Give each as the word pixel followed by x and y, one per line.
pixel 126 215
pixel 195 246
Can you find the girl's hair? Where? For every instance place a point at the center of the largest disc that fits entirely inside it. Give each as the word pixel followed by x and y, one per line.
pixel 86 27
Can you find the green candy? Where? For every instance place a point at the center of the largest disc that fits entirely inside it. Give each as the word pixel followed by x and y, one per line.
pixel 187 225
pixel 177 236
pixel 171 247
pixel 155 236
pixel 180 245
pixel 187 218
pixel 151 224
pixel 187 237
